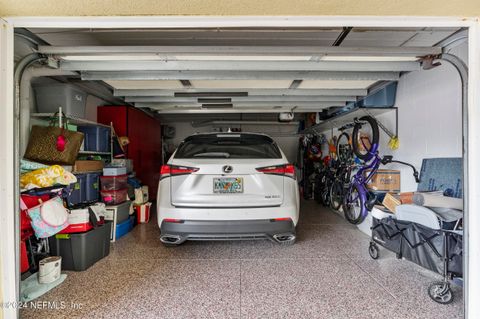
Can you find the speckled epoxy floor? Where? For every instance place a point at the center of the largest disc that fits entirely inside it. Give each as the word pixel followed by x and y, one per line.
pixel 326 274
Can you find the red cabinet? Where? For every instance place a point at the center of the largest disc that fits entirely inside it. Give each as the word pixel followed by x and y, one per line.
pixel 144 133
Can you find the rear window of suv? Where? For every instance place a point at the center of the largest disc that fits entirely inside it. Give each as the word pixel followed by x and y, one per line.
pixel 228 146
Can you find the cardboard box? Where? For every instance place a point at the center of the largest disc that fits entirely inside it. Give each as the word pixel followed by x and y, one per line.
pixel 385 180
pixel 391 201
pixel 87 166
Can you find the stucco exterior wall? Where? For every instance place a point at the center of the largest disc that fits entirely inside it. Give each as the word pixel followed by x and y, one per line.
pixel 460 8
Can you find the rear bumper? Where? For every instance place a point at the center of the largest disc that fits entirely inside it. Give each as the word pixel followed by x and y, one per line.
pixel 226 230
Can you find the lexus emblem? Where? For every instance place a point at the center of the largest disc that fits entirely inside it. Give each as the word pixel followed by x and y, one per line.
pixel 227 169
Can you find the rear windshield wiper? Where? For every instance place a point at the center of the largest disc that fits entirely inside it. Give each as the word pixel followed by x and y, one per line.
pixel 213 154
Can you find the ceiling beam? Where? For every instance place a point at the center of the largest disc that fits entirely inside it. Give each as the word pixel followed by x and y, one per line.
pixel 158 105
pixel 257 66
pixel 251 92
pixel 240 50
pixel 232 110
pixel 238 75
pixel 265 98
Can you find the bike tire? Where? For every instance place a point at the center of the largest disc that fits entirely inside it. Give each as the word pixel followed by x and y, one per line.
pixel 359 203
pixel 325 195
pixel 336 195
pixel 374 142
pixel 340 154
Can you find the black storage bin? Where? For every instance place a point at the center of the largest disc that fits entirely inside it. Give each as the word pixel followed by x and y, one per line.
pixel 80 251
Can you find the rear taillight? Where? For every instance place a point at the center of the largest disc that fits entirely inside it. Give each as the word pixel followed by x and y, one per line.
pixel 284 170
pixel 280 219
pixel 173 220
pixel 173 170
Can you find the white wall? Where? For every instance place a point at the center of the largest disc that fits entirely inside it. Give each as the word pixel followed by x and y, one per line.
pixel 429 118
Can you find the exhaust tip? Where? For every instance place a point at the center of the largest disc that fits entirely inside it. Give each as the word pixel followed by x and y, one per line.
pixel 283 238
pixel 170 239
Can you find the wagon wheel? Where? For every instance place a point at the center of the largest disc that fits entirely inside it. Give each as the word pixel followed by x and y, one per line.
pixel 373 250
pixel 440 292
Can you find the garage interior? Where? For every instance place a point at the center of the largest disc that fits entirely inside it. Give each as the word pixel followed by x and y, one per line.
pixel 203 80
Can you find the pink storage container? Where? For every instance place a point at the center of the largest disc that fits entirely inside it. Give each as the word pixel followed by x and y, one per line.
pixel 114 197
pixel 113 183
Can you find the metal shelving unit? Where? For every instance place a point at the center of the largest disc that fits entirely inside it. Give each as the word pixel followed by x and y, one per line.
pixel 93 153
pixel 348 117
pixel 72 119
pixel 78 121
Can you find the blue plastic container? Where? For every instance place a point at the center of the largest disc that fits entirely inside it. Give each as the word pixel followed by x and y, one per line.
pixel 124 228
pixel 92 187
pixel 383 98
pixel 97 138
pixel 77 191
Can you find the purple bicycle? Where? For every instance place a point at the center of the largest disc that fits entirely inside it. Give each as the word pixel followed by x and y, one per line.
pixel 365 141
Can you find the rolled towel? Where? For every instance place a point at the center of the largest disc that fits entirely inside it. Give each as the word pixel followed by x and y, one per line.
pixel 435 200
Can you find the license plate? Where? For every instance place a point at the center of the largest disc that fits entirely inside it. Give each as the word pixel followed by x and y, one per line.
pixel 228 185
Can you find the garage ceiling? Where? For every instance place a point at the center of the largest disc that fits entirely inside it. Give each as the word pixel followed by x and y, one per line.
pixel 252 70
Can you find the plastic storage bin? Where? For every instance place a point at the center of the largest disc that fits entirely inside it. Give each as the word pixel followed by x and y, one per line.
pixel 80 251
pixel 52 96
pixel 97 138
pixel 79 220
pixel 114 197
pixel 114 171
pixel 113 183
pixel 118 213
pixel 124 228
pixel 77 191
pixel 92 187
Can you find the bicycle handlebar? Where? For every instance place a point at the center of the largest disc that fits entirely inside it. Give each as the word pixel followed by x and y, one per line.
pixel 389 159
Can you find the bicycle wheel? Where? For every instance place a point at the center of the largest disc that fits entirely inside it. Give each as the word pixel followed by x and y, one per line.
pixel 336 195
pixel 325 194
pixel 354 205
pixel 365 138
pixel 344 148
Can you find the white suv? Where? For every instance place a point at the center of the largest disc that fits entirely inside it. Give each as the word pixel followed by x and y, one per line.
pixel 227 186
